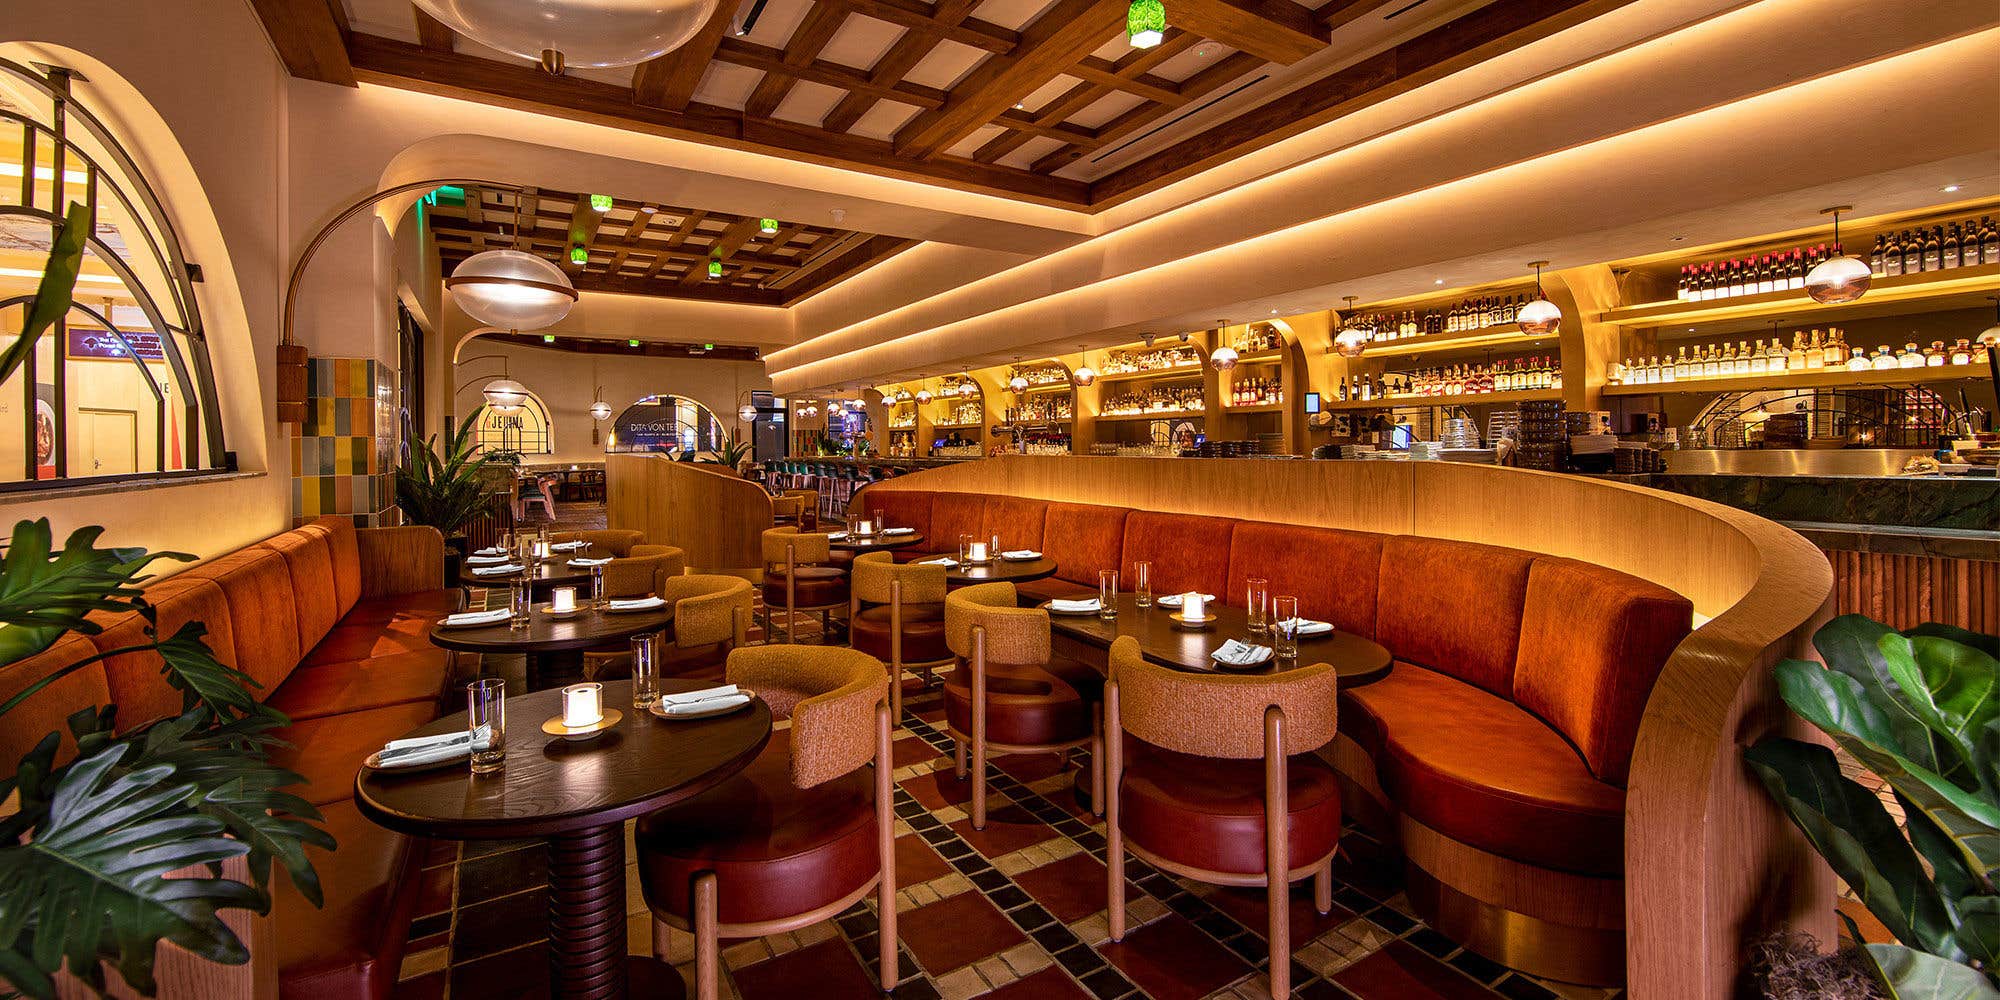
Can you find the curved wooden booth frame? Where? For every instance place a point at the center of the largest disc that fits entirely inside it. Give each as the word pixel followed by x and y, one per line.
pixel 1710 864
pixel 716 516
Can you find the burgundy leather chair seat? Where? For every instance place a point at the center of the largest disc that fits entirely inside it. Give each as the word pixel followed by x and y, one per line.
pixel 327 752
pixel 923 633
pixel 1026 704
pixel 818 586
pixel 1486 772
pixel 353 946
pixel 1036 592
pixel 351 686
pixel 775 849
pixel 1208 813
pixel 425 604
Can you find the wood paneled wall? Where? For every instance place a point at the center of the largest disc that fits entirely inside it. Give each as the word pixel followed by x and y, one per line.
pixel 713 514
pixel 1907 590
pixel 1710 863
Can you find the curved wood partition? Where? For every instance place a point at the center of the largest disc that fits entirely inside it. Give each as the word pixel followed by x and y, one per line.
pixel 1710 863
pixel 716 516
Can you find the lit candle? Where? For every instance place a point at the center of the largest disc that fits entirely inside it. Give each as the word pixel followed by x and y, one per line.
pixel 580 705
pixel 864 527
pixel 541 550
pixel 977 552
pixel 563 600
pixel 1194 607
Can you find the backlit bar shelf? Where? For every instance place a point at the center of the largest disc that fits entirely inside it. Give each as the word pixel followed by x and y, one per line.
pixel 1887 296
pixel 1467 399
pixel 1822 379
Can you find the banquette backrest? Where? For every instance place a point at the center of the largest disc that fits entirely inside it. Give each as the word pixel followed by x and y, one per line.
pixel 1504 620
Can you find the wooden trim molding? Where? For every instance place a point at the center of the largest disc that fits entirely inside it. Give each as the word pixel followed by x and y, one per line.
pixel 717 517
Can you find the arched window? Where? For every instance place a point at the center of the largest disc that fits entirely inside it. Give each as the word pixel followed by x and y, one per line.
pixel 666 423
pixel 121 386
pixel 523 428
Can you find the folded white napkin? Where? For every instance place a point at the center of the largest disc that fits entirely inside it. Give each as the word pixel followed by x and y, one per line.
pixel 587 563
pixel 635 603
pixel 1241 654
pixel 492 560
pixel 1174 600
pixel 432 749
pixel 491 550
pixel 1070 604
pixel 500 570
pixel 899 531
pixel 478 617
pixel 1307 626
pixel 939 561
pixel 1020 555
pixel 704 706
pixel 705 694
pixel 835 536
pixel 567 546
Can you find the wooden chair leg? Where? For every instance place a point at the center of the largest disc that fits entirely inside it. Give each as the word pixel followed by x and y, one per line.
pixel 958 758
pixel 707 943
pixel 1323 888
pixel 1277 846
pixel 1114 848
pixel 978 728
pixel 1097 767
pixel 885 845
pixel 662 939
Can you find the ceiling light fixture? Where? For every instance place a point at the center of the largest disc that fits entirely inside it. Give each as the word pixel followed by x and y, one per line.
pixel 648 209
pixel 548 338
pixel 579 255
pixel 1146 23
pixel 1838 278
pixel 1540 317
pixel 511 289
pixel 600 203
pixel 1223 358
pixel 748 411
pixel 1951 189
pixel 590 34
pixel 967 389
pixel 1352 338
pixel 1084 374
pixel 715 267
pixel 767 226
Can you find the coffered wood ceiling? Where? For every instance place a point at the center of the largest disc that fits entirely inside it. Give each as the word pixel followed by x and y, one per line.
pixel 1013 97
pixel 646 248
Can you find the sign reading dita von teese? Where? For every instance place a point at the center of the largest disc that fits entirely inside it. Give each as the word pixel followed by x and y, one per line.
pixel 655 426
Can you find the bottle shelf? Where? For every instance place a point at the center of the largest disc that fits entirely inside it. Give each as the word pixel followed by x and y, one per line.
pixel 1887 296
pixel 1501 337
pixel 1184 371
pixel 1273 356
pixel 1169 415
pixel 1821 379
pixel 1255 408
pixel 1050 387
pixel 1468 399
pixel 954 427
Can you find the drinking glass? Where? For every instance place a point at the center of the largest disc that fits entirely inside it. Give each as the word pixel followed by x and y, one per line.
pixel 486 714
pixel 520 600
pixel 993 549
pixel 964 549
pixel 1107 594
pixel 597 598
pixel 645 671
pixel 1256 604
pixel 1285 627
pixel 1142 584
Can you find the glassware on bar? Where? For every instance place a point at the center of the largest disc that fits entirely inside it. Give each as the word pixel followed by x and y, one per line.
pixel 521 601
pixel 486 719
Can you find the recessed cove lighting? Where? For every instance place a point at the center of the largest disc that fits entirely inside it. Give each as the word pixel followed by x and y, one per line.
pixel 1440 281
pixel 1951 189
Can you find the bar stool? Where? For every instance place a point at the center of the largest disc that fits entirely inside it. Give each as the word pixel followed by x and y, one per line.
pixel 711 618
pixel 797 577
pixel 797 837
pixel 1214 778
pixel 1010 693
pixel 905 628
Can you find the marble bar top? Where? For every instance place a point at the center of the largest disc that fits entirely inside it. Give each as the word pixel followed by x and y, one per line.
pixel 1957 517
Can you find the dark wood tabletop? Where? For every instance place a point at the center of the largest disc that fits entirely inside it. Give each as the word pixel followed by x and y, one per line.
pixel 555 571
pixel 877 542
pixel 551 785
pixel 588 629
pixel 1163 641
pixel 998 570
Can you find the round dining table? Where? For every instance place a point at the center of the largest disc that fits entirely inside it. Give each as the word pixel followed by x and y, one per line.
pixel 877 542
pixel 1165 641
pixel 549 641
pixel 576 796
pixel 998 570
pixel 553 572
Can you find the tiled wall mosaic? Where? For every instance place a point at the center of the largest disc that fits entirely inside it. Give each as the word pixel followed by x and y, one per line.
pixel 343 457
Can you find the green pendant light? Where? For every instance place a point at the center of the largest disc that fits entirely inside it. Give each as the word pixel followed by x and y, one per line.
pixel 1146 23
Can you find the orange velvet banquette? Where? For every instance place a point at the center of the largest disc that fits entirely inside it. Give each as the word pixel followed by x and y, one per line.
pixel 1495 753
pixel 333 623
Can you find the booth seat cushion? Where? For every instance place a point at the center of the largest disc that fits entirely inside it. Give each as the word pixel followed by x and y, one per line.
pixel 817 587
pixel 344 547
pixel 425 605
pixel 903 508
pixel 262 608
pixel 1591 683
pixel 777 850
pixel 44 712
pixel 1208 813
pixel 953 514
pixel 1453 606
pixel 1083 539
pixel 413 677
pixel 137 680
pixel 1187 552
pixel 1331 571
pixel 1035 592
pixel 1485 772
pixel 316 598
pixel 359 642
pixel 923 633
pixel 327 752
pixel 1018 522
pixel 353 946
pixel 1034 704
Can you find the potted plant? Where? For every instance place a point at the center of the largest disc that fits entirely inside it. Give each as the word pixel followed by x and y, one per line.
pixel 1921 709
pixel 87 847
pixel 733 452
pixel 450 490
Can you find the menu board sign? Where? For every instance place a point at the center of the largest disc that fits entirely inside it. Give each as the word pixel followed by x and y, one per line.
pixel 85 344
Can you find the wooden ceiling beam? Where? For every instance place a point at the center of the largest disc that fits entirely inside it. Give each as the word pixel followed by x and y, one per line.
pixel 802 49
pixel 452 228
pixel 1146 85
pixel 1278 31
pixel 520 86
pixel 903 55
pixel 669 81
pixel 1085 94
pixel 1228 69
pixel 918 16
pixel 432 33
pixel 675 240
pixel 1061 37
pixel 583 223
pixel 773 62
pixel 724 247
pixel 1336 13
pixel 311 38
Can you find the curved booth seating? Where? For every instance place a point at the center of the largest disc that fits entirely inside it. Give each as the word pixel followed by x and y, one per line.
pixel 333 623
pixel 614 542
pixel 1556 734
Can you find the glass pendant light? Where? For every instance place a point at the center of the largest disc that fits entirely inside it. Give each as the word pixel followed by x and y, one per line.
pixel 923 393
pixel 1084 374
pixel 1540 317
pixel 600 410
pixel 967 389
pixel 505 395
pixel 767 226
pixel 715 267
pixel 1839 278
pixel 512 290
pixel 1018 383
pixel 584 33
pixel 1146 23
pixel 1224 358
pixel 1352 338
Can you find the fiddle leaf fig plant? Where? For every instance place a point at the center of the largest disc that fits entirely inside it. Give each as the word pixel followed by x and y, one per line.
pixel 1921 709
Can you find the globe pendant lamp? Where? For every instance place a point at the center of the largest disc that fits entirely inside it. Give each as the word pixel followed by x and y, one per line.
pixel 1352 339
pixel 1018 383
pixel 923 393
pixel 1146 23
pixel 589 34
pixel 511 289
pixel 967 389
pixel 1084 374
pixel 1223 359
pixel 505 395
pixel 1540 317
pixel 600 410
pixel 1838 278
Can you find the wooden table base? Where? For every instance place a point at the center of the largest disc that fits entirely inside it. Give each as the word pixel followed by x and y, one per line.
pixel 587 947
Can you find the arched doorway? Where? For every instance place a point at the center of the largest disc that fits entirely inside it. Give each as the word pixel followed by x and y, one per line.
pixel 666 424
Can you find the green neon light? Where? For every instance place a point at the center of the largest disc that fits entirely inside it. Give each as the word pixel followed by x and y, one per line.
pixel 548 338
pixel 631 343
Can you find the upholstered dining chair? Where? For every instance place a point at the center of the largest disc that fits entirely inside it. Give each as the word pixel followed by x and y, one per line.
pixel 643 572
pixel 809 508
pixel 798 576
pixel 1010 693
pixel 797 837
pixel 615 542
pixel 1212 777
pixel 904 626
pixel 711 618
pixel 785 505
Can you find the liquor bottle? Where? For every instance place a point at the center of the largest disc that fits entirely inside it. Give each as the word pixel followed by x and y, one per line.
pixel 1889 259
pixel 1875 256
pixel 1815 353
pixel 1858 361
pixel 1835 352
pixel 1952 242
pixel 1961 352
pixel 1910 357
pixel 1882 361
pixel 1795 278
pixel 1933 248
pixel 1935 355
pixel 1795 359
pixel 1913 251
pixel 1711 362
pixel 1989 241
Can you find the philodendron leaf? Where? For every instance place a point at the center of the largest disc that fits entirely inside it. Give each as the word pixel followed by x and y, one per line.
pixel 1848 826
pixel 1988 644
pixel 1953 879
pixel 44 592
pixel 1909 974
